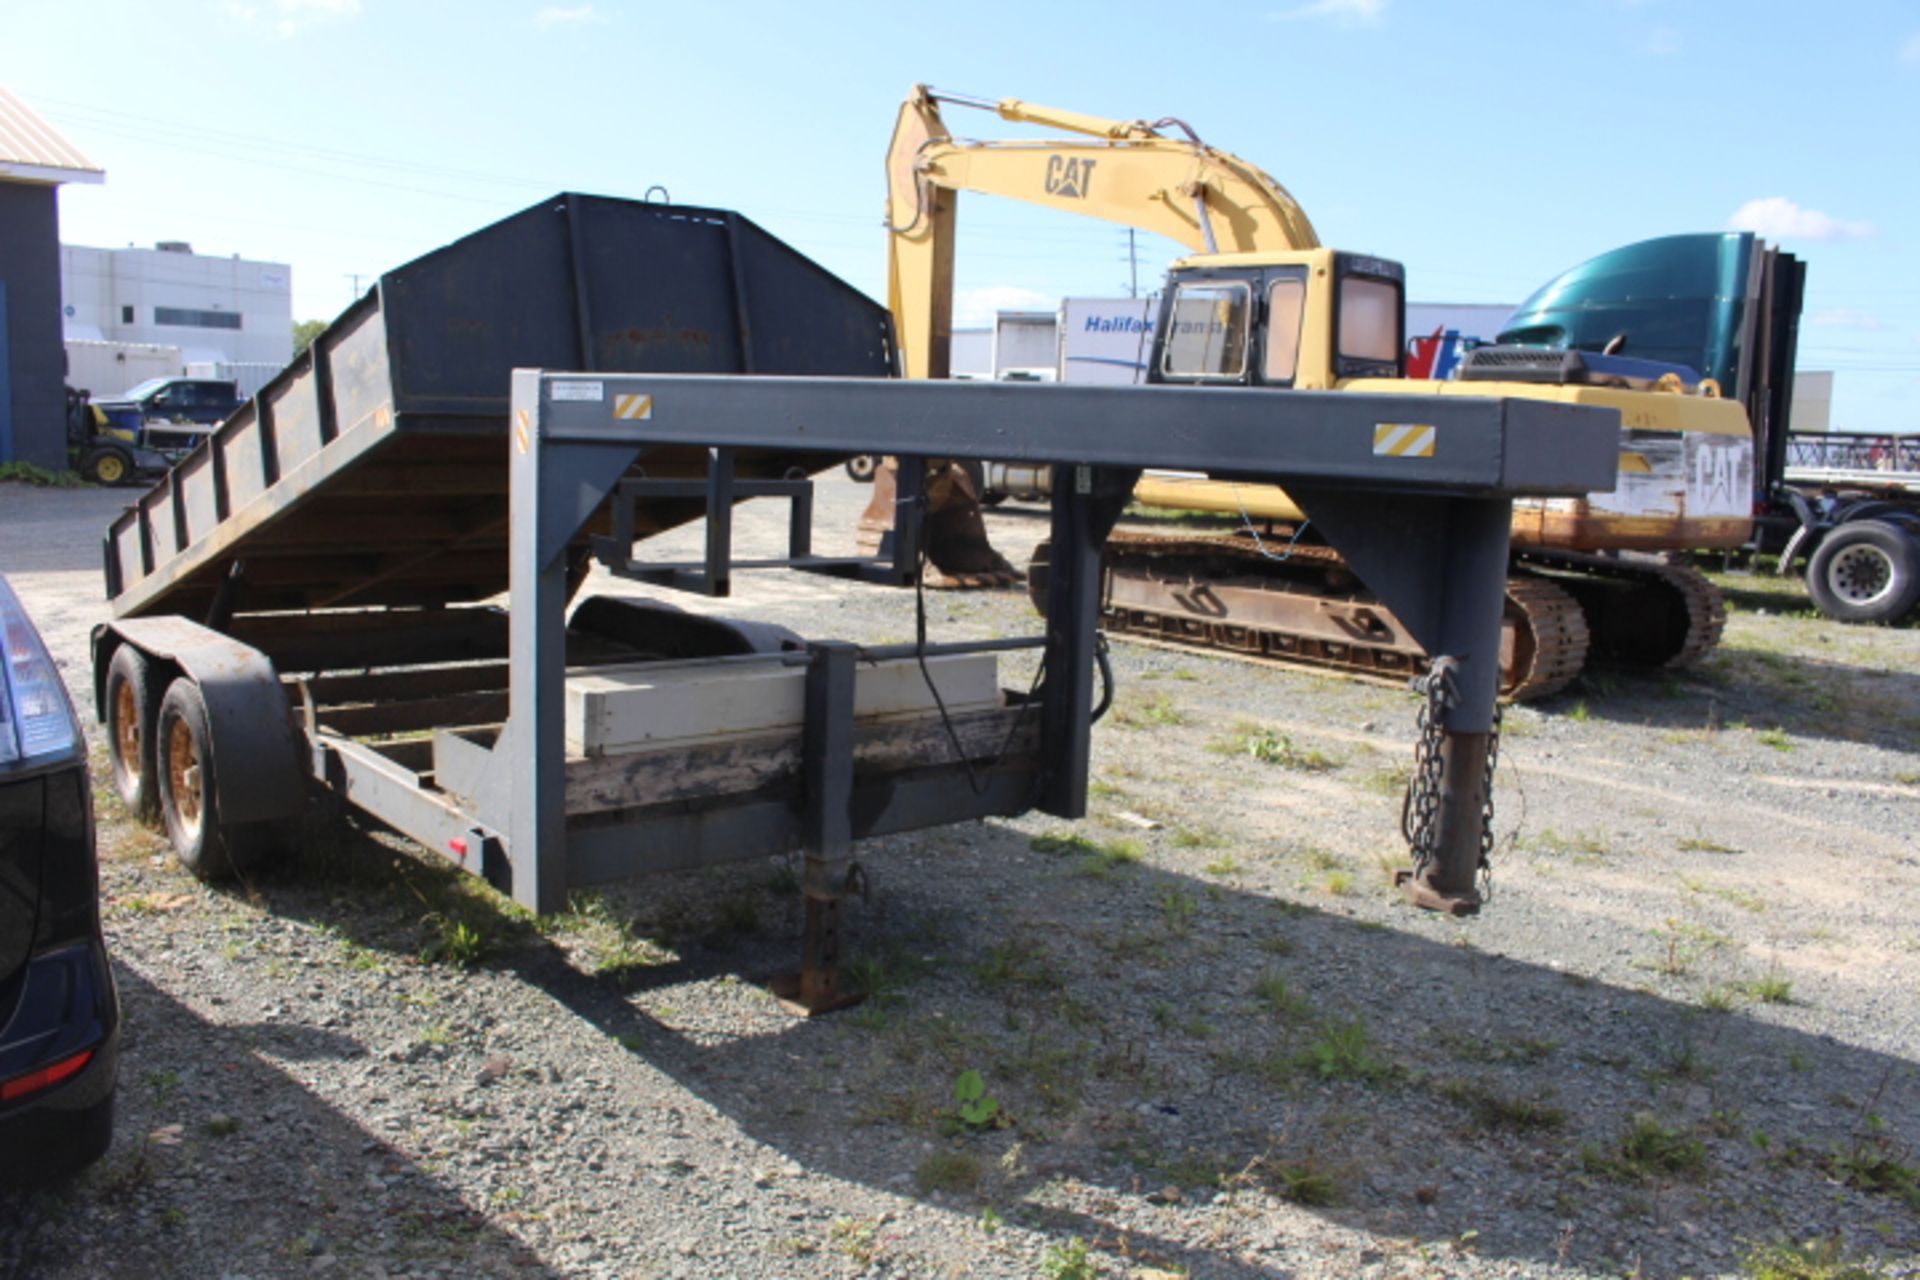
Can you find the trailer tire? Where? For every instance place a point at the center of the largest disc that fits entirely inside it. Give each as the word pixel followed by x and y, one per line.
pixel 132 708
pixel 1865 571
pixel 189 788
pixel 861 466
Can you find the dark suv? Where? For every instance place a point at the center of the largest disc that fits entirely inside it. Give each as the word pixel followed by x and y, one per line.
pixel 59 1015
pixel 206 401
pixel 171 415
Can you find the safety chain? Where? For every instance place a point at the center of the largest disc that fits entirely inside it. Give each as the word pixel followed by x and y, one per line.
pixel 1486 805
pixel 1420 811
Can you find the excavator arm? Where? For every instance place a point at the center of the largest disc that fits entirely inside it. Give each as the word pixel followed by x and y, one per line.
pixel 1126 172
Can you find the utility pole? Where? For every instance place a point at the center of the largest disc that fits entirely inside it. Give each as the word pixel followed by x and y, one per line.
pixel 1133 265
pixel 355 277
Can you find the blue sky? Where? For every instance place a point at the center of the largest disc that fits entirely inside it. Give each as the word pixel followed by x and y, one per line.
pixel 1487 146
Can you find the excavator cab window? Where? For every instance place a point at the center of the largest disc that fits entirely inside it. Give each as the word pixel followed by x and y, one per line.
pixel 1206 333
pixel 1286 309
pixel 1369 317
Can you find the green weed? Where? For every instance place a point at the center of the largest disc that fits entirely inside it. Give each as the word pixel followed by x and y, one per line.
pixel 1156 710
pixel 1273 990
pixel 1069 1261
pixel 1496 1110
pixel 1772 989
pixel 1828 1259
pixel 1343 1050
pixel 1646 1150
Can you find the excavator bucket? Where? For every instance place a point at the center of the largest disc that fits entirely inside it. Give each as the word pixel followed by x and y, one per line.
pixel 959 556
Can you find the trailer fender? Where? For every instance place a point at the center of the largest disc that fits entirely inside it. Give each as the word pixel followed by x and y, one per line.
pixel 256 751
pixel 668 631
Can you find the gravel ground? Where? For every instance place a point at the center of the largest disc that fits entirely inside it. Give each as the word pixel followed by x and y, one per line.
pixel 1685 1029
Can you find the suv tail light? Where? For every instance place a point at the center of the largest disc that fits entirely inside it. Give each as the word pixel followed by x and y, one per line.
pixel 36 720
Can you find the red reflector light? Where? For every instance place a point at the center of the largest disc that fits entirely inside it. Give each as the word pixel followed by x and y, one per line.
pixel 459 847
pixel 45 1077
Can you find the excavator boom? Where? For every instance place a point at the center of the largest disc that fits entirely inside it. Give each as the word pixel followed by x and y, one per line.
pixel 1127 172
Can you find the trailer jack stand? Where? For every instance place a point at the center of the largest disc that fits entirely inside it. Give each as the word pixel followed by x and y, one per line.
pixel 816 988
pixel 831 873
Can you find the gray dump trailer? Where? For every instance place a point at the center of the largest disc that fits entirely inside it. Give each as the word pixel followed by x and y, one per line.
pixel 311 599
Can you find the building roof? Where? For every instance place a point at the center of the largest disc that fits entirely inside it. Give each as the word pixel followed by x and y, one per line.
pixel 30 150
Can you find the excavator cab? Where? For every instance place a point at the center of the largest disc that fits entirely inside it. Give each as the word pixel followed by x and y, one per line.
pixel 1308 320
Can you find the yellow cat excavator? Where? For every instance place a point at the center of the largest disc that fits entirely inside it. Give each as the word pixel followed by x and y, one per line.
pixel 1263 304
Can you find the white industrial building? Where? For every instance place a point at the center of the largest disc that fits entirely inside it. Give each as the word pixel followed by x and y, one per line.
pixel 227 317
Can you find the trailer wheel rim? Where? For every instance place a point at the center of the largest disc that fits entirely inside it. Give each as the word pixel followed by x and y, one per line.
pixel 1862 574
pixel 126 733
pixel 183 777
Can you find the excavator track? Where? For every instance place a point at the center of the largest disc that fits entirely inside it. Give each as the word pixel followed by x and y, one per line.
pixel 1642 612
pixel 1299 606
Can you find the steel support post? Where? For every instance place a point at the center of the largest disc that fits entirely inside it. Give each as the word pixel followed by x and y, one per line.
pixel 719 522
pixel 1086 502
pixel 536 729
pixel 1475 575
pixel 827 768
pixel 554 487
pixel 909 516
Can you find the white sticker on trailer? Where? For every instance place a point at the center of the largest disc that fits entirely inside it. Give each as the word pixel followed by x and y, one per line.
pixel 589 391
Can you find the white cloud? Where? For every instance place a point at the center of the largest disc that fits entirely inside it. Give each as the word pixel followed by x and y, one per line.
pixel 1910 51
pixel 297 15
pixel 1662 42
pixel 290 17
pixel 1780 219
pixel 555 16
pixel 976 308
pixel 1847 318
pixel 1365 13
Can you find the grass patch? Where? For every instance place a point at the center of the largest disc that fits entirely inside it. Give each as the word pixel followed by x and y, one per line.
pixel 1682 946
pixel 1810 1260
pixel 1388 782
pixel 1068 1261
pixel 1022 963
pixel 1222 867
pixel 1278 995
pixel 1342 1050
pixel 1582 843
pixel 1156 710
pixel 1199 838
pixel 1648 1149
pixel 1492 1109
pixel 39 477
pixel 1496 1048
pixel 1269 746
pixel 1744 899
pixel 1772 989
pixel 1092 857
